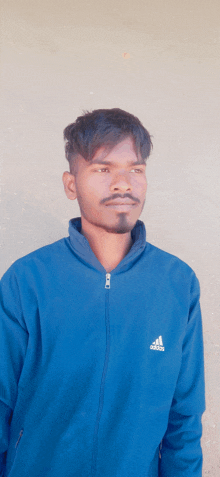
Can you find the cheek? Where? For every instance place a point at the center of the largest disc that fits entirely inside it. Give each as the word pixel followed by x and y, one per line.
pixel 140 185
pixel 97 185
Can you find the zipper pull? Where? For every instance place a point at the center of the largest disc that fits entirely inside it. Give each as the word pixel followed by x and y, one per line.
pixel 107 282
pixel 19 438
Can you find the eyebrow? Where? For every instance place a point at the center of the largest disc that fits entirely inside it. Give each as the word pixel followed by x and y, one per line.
pixel 110 163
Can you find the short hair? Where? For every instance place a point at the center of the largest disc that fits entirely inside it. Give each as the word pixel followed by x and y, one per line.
pixel 104 127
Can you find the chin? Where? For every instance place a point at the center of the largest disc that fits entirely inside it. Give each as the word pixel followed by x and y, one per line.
pixel 118 230
pixel 123 226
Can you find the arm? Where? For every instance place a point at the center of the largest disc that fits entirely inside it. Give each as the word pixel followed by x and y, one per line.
pixel 181 453
pixel 13 344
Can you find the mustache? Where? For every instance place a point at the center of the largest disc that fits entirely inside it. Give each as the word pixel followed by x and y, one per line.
pixel 119 196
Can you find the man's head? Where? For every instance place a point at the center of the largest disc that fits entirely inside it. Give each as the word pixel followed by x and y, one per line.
pixel 120 142
pixel 103 128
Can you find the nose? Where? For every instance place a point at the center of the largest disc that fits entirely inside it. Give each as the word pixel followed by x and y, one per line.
pixel 121 182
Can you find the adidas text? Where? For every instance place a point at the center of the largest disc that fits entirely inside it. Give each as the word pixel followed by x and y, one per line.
pixel 159 348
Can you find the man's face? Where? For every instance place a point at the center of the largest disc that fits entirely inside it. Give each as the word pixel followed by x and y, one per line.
pixel 107 181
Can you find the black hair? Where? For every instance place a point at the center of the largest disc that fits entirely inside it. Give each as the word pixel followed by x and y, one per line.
pixel 104 127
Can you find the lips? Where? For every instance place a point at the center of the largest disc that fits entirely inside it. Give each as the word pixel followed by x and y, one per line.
pixel 121 202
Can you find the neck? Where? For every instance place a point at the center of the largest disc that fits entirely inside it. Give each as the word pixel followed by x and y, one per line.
pixel 109 248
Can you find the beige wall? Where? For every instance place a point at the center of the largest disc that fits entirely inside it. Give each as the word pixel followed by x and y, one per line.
pixel 60 58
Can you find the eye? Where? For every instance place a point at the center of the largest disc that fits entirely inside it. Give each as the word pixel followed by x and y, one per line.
pixel 103 169
pixel 138 170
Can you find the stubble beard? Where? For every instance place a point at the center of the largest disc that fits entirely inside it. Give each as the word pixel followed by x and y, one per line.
pixel 122 225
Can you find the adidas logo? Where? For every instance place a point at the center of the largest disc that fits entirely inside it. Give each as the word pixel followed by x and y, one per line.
pixel 158 344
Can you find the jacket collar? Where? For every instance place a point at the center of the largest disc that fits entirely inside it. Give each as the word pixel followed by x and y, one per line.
pixel 82 249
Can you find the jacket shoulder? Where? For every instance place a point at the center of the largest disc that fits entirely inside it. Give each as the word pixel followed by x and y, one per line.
pixel 45 254
pixel 166 260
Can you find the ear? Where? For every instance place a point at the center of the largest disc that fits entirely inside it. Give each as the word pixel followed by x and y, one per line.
pixel 69 183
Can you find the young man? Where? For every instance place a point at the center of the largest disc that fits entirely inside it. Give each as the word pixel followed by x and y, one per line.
pixel 102 352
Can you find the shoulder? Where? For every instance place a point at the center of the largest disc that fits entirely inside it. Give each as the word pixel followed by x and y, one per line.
pixel 169 265
pixel 43 256
pixel 164 258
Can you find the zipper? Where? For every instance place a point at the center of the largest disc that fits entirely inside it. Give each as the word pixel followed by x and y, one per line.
pixel 107 280
pixel 19 438
pixel 102 385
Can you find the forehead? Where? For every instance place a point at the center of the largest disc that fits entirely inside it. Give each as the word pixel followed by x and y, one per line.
pixel 123 152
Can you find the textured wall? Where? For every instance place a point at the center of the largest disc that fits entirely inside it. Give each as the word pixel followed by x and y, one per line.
pixel 158 60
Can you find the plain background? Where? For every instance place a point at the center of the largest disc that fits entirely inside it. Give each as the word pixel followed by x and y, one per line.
pixel 156 59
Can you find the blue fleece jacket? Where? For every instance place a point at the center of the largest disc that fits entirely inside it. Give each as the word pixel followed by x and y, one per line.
pixel 101 373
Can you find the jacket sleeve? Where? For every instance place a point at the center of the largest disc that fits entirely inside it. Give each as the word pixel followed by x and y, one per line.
pixel 181 453
pixel 13 344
